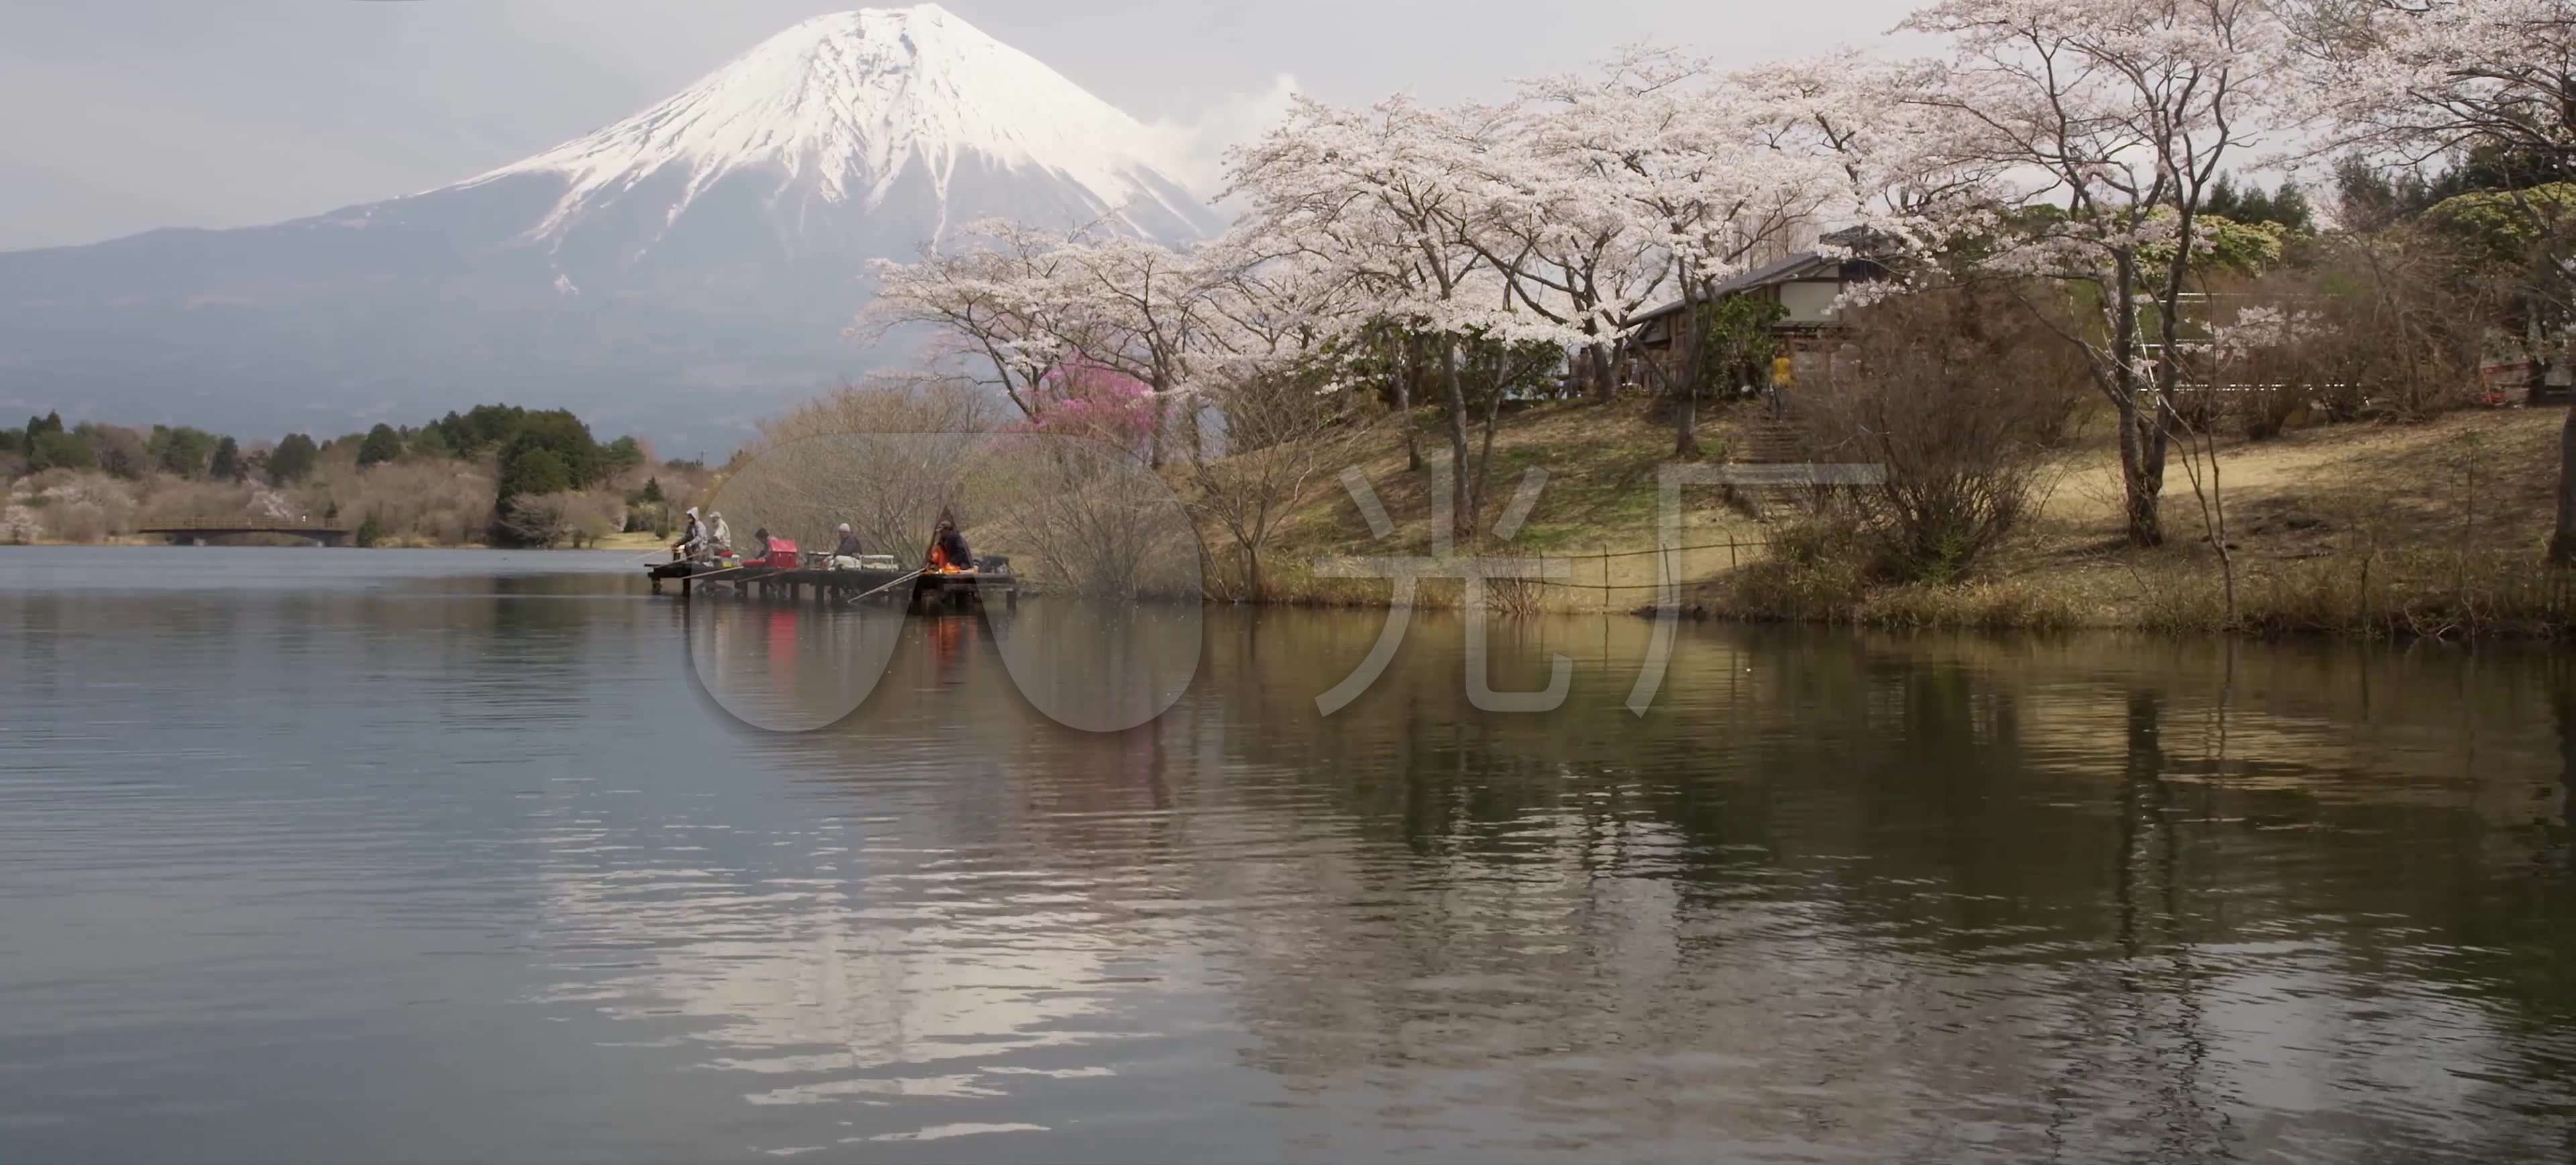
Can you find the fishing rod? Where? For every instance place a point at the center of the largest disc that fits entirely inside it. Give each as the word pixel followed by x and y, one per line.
pixel 888 586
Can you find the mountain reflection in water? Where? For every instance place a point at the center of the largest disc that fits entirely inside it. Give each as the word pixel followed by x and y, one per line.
pixel 376 856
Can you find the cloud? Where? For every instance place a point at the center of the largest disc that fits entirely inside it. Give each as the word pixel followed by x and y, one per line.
pixel 1193 152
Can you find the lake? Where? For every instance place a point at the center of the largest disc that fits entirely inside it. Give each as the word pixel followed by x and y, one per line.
pixel 359 856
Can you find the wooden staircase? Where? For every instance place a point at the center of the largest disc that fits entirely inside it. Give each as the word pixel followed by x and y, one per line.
pixel 1770 441
pixel 1766 441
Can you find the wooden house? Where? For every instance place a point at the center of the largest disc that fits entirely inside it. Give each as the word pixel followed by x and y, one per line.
pixel 1809 285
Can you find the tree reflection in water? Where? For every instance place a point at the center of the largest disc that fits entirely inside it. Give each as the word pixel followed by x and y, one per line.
pixel 1919 896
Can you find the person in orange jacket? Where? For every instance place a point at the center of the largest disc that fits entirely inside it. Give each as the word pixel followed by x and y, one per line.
pixel 948 549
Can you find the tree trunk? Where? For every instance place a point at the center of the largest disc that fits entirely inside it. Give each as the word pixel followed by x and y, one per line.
pixel 1493 415
pixel 2562 540
pixel 1154 433
pixel 2535 376
pixel 2142 418
pixel 1596 369
pixel 1407 365
pixel 1462 485
pixel 2142 469
pixel 1690 372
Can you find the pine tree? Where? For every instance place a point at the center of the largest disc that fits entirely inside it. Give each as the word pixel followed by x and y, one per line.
pixel 382 445
pixel 292 459
pixel 227 465
pixel 533 471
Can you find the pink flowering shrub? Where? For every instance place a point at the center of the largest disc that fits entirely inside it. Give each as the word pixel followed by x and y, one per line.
pixel 1084 399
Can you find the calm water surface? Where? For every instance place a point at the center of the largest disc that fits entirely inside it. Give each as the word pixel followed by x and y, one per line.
pixel 362 856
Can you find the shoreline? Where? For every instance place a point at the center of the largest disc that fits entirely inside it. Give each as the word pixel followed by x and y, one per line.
pixel 2468 605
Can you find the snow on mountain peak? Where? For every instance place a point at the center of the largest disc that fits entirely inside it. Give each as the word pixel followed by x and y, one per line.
pixel 842 105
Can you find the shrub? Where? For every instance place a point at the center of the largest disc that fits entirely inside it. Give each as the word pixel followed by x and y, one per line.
pixel 1818 571
pixel 117 450
pixel 1956 392
pixel 81 506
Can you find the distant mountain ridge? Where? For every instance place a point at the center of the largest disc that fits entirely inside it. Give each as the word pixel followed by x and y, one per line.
pixel 675 274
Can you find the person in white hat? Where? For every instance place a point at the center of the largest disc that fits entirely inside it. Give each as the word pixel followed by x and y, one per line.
pixel 845 552
pixel 693 538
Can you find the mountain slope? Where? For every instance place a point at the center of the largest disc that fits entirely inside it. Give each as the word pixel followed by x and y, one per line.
pixel 676 273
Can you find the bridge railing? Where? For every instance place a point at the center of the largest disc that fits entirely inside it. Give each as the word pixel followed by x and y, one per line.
pixel 215 524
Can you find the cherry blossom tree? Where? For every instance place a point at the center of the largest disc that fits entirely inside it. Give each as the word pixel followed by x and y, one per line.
pixel 990 303
pixel 1140 309
pixel 1689 165
pixel 1577 253
pixel 1387 199
pixel 2117 115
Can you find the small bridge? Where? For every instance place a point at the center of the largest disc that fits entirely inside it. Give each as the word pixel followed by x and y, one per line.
pixel 196 533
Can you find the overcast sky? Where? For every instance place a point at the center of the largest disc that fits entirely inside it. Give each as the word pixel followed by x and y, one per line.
pixel 130 114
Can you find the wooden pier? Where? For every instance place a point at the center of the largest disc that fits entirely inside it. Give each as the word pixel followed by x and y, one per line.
pixel 937 590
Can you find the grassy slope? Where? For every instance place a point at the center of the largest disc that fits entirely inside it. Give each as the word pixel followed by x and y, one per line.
pixel 2329 525
pixel 1600 493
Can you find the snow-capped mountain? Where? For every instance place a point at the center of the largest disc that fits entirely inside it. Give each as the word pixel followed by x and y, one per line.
pixel 675 273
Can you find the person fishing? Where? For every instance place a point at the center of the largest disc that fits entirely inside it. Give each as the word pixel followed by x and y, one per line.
pixel 948 549
pixel 760 544
pixel 693 539
pixel 848 546
pixel 719 536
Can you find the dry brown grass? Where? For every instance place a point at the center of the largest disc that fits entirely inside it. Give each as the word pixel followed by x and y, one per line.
pixel 1600 496
pixel 2443 519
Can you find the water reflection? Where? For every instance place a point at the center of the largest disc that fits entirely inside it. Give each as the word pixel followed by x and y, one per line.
pixel 1833 896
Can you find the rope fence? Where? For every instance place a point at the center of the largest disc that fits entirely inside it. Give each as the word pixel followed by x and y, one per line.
pixel 1735 557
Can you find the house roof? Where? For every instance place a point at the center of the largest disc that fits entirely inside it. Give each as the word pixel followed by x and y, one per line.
pixel 1785 271
pixel 1854 242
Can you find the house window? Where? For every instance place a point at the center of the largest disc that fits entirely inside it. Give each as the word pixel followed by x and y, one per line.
pixel 1810 301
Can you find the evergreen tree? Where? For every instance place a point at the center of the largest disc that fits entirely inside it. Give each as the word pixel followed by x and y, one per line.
pixel 55 449
pixel 227 464
pixel 624 453
pixel 182 451
pixel 533 471
pixel 292 459
pixel 2290 208
pixel 562 434
pixel 431 440
pixel 382 445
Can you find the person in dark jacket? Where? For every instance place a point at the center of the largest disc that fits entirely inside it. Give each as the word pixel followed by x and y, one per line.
pixel 848 546
pixel 948 548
